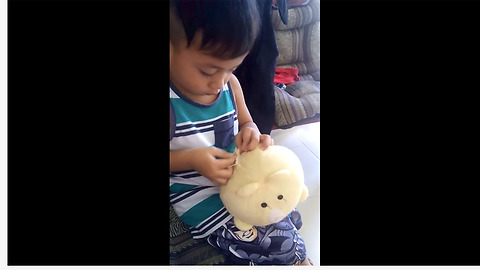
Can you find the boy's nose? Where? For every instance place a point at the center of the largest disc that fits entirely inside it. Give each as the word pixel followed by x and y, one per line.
pixel 217 81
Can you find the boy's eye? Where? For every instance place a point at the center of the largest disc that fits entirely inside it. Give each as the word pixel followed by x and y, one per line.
pixel 206 73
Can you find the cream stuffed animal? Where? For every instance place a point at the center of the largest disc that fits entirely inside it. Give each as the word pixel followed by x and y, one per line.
pixel 265 187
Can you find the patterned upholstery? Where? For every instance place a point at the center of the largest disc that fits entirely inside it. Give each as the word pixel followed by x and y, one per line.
pixel 299 47
pixel 299 103
pixel 184 250
pixel 299 42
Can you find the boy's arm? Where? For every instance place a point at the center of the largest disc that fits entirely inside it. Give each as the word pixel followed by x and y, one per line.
pixel 180 160
pixel 211 162
pixel 244 117
pixel 248 137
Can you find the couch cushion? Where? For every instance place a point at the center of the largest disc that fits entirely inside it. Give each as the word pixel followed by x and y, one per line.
pixel 300 48
pixel 298 103
pixel 298 42
pixel 298 16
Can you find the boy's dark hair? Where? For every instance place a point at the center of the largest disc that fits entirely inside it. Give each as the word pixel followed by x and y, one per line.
pixel 229 27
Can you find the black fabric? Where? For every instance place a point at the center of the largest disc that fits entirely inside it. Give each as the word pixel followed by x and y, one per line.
pixel 275 244
pixel 257 71
pixel 283 6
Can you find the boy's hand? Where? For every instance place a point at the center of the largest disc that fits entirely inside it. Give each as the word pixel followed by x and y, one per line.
pixel 213 163
pixel 248 139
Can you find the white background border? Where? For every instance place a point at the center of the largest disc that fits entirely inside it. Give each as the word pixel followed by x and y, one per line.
pixel 3 195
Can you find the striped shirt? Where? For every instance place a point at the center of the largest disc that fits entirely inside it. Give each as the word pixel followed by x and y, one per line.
pixel 196 199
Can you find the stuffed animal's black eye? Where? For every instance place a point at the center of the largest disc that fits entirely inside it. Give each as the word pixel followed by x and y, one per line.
pixel 280 197
pixel 264 205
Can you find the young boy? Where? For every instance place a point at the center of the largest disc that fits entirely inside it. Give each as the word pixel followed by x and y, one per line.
pixel 209 120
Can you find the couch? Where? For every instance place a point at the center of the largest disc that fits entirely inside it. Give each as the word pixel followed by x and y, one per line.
pixel 297 103
pixel 298 45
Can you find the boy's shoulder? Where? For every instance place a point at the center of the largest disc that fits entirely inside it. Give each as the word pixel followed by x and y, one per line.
pixel 235 83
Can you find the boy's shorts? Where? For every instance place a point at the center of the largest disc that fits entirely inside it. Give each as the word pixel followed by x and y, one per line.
pixel 275 244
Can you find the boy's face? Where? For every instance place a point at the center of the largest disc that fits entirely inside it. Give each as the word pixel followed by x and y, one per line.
pixel 198 75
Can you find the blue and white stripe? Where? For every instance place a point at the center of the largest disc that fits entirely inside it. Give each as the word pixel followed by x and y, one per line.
pixel 196 199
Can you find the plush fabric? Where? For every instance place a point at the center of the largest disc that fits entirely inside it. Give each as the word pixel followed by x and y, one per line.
pixel 252 194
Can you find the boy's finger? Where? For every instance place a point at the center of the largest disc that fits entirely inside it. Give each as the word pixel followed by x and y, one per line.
pixel 227 162
pixel 219 181
pixel 219 153
pixel 224 175
pixel 238 141
pixel 245 142
pixel 252 144
pixel 265 142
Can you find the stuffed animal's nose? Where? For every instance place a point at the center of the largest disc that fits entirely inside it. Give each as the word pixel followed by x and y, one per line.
pixel 276 215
